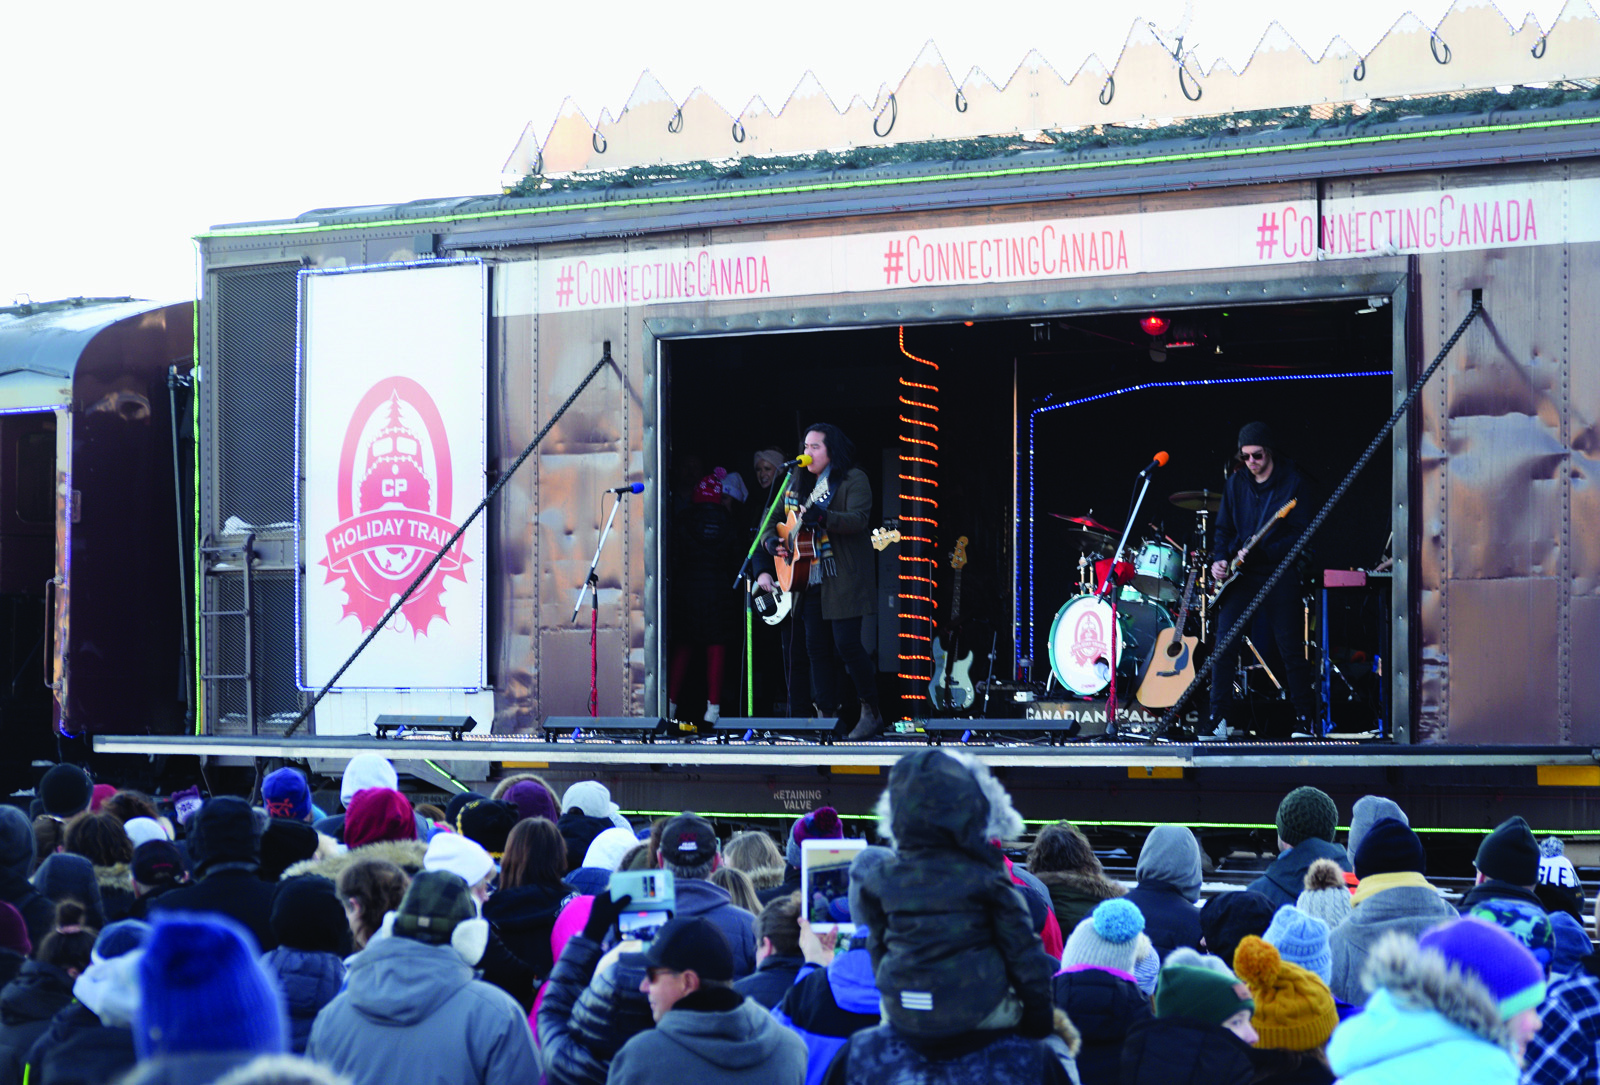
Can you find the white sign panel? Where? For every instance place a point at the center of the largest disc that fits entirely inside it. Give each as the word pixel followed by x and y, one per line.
pixel 392 444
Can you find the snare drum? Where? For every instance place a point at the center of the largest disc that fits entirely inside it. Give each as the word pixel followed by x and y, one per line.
pixel 1080 646
pixel 1158 570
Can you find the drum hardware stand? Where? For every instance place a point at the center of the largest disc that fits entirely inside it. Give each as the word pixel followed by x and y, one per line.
pixel 1113 587
pixel 994 644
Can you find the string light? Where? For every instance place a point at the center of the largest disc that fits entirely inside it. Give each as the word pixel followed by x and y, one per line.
pixel 917 613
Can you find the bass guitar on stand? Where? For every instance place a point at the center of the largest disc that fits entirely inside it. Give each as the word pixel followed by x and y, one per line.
pixel 952 689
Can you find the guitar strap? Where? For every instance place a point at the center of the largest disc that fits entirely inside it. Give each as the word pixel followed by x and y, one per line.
pixel 821 497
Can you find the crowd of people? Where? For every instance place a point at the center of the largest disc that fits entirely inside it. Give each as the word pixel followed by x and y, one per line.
pixel 207 939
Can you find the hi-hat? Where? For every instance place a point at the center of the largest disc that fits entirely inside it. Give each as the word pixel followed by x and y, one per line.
pixel 1088 523
pixel 1196 500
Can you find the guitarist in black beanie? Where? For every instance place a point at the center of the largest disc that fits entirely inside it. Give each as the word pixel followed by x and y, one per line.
pixel 1252 500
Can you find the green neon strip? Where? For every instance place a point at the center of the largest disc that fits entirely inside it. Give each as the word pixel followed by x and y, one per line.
pixel 883 182
pixel 435 767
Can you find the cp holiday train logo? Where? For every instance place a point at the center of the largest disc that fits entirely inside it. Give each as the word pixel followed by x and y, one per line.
pixel 394 508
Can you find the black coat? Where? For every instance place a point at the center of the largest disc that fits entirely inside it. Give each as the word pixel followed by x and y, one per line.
pixel 522 916
pixel 708 548
pixel 1279 1067
pixel 10 964
pixel 26 1006
pixel 309 980
pixel 1247 506
pixel 582 1024
pixel 37 910
pixel 579 830
pixel 1104 1007
pixel 1170 920
pixel 771 980
pixel 1182 1051
pixel 76 1049
pixel 236 893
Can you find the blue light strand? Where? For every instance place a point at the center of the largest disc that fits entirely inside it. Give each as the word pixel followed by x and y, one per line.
pixel 1033 417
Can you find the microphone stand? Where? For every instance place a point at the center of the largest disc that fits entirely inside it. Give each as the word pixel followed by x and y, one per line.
pixel 1112 587
pixel 591 588
pixel 747 575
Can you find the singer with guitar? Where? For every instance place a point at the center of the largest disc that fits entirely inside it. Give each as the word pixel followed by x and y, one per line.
pixel 823 545
pixel 1251 498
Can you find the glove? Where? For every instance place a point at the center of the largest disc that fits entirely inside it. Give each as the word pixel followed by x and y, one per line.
pixel 603 915
pixel 814 517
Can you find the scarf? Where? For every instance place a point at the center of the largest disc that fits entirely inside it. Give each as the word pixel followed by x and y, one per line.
pixel 1376 883
pixel 821 497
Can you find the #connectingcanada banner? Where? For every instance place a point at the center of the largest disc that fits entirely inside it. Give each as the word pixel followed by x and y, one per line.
pixel 392 452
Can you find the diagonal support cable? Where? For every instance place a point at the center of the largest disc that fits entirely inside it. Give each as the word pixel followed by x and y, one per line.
pixel 1243 621
pixel 305 713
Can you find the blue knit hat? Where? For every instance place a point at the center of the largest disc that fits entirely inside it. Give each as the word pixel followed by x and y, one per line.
pixel 1301 939
pixel 1108 938
pixel 286 794
pixel 202 990
pixel 1494 956
pixel 123 936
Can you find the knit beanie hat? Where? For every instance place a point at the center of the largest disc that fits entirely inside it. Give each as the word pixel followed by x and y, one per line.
pixel 1108 939
pixel 1300 940
pixel 1558 888
pixel 1527 923
pixel 144 830
pixel 1367 812
pixel 1325 896
pixel 16 841
pixel 307 915
pixel 1256 433
pixel 65 876
pixel 1510 853
pixel 1294 1009
pixel 488 822
pixel 285 843
pixel 378 813
pixel 14 931
pixel 109 987
pixel 1201 994
pixel 1228 917
pixel 438 910
pixel 1304 813
pixel 1494 957
pixel 607 849
pixel 821 824
pixel 1390 847
pixel 363 771
pixel 203 990
pixel 532 800
pixel 286 794
pixel 459 855
pixel 452 809
pixel 100 794
pixel 65 790
pixel 123 936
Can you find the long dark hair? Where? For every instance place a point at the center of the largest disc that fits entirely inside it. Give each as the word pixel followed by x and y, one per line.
pixel 1063 847
pixel 841 450
pixel 535 853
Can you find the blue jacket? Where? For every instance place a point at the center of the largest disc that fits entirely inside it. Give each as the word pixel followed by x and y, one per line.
pixel 825 1007
pixel 309 981
pixel 1285 879
pixel 700 898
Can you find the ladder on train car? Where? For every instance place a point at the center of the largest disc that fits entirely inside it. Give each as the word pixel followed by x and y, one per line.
pixel 215 554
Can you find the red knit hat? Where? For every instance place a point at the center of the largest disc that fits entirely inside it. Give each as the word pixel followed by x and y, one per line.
pixel 378 813
pixel 100 794
pixel 709 491
pixel 820 824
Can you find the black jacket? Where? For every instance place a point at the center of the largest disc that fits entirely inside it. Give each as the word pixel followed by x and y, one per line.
pixel 1182 1051
pixel 1170 920
pixel 76 1049
pixel 1495 889
pixel 584 1019
pixel 309 981
pixel 579 830
pixel 1279 1067
pixel 1248 506
pixel 874 1056
pixel 37 910
pixel 1283 881
pixel 1104 1007
pixel 236 893
pixel 11 963
pixel 771 980
pixel 26 1006
pixel 522 917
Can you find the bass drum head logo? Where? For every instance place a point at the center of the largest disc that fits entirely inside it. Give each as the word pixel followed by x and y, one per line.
pixel 395 486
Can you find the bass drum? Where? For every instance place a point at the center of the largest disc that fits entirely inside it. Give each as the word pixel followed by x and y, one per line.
pixel 1080 645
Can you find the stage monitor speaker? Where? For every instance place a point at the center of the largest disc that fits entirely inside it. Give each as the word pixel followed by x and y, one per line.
pixel 614 728
pixel 811 728
pixel 945 729
pixel 454 726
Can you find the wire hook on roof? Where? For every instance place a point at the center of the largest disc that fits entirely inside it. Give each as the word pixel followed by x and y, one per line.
pixel 1108 91
pixel 894 113
pixel 675 125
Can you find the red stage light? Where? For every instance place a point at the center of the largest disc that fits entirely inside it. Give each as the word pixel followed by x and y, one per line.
pixel 1154 324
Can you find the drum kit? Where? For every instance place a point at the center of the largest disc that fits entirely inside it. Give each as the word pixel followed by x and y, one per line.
pixel 1151 574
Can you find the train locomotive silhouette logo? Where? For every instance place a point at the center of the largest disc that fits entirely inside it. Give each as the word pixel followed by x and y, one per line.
pixel 395 496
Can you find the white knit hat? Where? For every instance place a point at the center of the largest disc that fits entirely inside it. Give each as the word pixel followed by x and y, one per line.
pixel 1109 937
pixel 1326 896
pixel 461 856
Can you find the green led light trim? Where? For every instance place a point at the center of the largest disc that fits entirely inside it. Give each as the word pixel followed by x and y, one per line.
pixel 881 182
pixel 453 781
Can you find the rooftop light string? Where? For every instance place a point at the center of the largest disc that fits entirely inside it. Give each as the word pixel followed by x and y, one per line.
pixel 918 464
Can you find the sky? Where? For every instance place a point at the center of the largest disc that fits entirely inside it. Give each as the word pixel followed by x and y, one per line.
pixel 130 127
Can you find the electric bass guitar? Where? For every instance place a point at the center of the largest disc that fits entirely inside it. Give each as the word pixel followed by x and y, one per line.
pixel 1235 562
pixel 801 542
pixel 952 688
pixel 1171 666
pixel 883 538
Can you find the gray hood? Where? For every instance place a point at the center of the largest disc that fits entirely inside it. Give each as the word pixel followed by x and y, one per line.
pixel 736 1039
pixel 400 981
pixel 1368 811
pixel 1171 854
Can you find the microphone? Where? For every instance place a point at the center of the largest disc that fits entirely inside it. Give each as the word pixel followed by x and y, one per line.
pixel 801 460
pixel 627 488
pixel 1160 460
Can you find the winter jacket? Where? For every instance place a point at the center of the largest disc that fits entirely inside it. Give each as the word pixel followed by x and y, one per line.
pixel 1183 1051
pixel 200 1069
pixel 408 1005
pixel 1404 909
pixel 950 936
pixel 771 980
pixel 1104 1005
pixel 884 1056
pixel 1074 894
pixel 579 830
pixel 712 1037
pixel 711 902
pixel 226 850
pixel 37 910
pixel 309 981
pixel 26 1006
pixel 1275 1066
pixel 334 827
pixel 828 1005
pixel 1284 881
pixel 11 963
pixel 522 917
pixel 405 854
pixel 1170 920
pixel 1040 910
pixel 586 1016
pixel 76 1049
pixel 852 591
pixel 1423 1024
pixel 1495 889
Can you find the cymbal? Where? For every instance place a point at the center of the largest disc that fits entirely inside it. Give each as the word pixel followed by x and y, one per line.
pixel 1196 500
pixel 1087 523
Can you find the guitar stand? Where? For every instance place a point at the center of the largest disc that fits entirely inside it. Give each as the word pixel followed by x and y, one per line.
pixel 1262 663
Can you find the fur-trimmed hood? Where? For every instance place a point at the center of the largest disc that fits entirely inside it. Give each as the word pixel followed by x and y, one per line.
pixel 405 854
pixel 1095 886
pixel 117 876
pixel 767 877
pixel 946 798
pixel 1422 980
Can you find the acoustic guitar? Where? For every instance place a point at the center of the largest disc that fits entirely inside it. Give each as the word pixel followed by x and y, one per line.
pixel 1235 562
pixel 801 542
pixel 1171 666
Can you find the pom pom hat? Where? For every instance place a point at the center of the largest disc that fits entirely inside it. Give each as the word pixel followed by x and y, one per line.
pixel 1494 957
pixel 1325 896
pixel 1109 939
pixel 202 990
pixel 1294 1010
